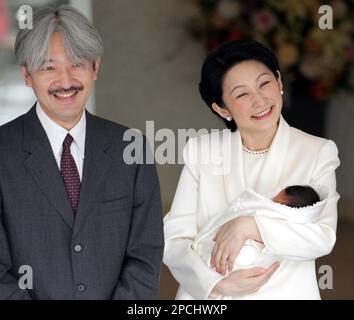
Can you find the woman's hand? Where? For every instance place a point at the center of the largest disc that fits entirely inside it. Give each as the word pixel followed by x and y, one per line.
pixel 229 241
pixel 242 282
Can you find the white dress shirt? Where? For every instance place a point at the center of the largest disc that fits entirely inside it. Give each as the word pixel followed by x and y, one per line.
pixel 56 135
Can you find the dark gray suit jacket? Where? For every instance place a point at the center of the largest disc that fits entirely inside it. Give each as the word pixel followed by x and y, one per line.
pixel 111 249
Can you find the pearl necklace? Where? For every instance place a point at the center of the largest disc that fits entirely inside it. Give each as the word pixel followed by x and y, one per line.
pixel 255 151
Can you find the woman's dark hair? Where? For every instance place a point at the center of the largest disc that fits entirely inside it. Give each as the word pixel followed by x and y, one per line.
pixel 218 62
pixel 301 196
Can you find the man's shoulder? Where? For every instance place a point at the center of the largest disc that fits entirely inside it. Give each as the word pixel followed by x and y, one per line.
pixel 118 137
pixel 114 132
pixel 108 126
pixel 11 130
pixel 13 124
pixel 102 122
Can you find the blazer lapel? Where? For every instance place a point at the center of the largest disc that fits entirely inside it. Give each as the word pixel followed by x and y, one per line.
pixel 96 166
pixel 271 170
pixel 233 167
pixel 43 168
pixel 273 165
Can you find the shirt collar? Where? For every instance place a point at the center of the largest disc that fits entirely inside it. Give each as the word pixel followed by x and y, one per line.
pixel 56 134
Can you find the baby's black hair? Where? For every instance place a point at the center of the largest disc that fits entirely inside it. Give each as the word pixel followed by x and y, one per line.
pixel 301 196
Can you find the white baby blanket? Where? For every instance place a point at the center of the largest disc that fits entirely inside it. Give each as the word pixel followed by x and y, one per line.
pixel 250 203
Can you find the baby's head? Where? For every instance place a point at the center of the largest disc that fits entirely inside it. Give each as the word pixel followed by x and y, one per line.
pixel 297 196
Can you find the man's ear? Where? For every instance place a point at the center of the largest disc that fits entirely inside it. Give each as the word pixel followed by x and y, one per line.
pixel 222 112
pixel 96 68
pixel 26 76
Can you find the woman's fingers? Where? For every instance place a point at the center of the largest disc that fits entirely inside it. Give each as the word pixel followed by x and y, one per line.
pixel 260 280
pixel 270 272
pixel 223 263
pixel 223 256
pixel 216 257
pixel 242 281
pixel 254 272
pixel 212 257
pixel 234 252
pixel 274 267
pixel 248 281
pixel 233 255
pixel 230 262
pixel 219 259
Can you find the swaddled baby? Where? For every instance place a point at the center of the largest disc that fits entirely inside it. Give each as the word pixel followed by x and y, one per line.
pixel 300 204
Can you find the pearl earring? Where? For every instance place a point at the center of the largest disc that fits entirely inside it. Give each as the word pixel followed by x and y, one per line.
pixel 281 92
pixel 228 118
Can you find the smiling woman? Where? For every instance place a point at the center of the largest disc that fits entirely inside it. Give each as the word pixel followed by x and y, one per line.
pixel 254 103
pixel 241 84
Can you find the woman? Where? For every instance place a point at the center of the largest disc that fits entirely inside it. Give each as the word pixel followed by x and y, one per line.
pixel 241 83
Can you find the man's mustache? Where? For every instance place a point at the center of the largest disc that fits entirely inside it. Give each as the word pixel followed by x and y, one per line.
pixel 63 90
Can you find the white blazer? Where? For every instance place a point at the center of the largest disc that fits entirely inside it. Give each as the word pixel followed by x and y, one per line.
pixel 207 188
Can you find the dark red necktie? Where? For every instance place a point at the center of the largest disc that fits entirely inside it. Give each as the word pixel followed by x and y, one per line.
pixel 70 174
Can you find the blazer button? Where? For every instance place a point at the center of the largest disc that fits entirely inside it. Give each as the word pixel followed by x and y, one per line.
pixel 78 248
pixel 81 287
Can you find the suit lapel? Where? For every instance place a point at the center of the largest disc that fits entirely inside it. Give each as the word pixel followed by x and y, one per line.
pixel 43 168
pixel 96 166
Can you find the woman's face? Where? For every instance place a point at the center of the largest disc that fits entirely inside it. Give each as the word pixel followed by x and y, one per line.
pixel 252 97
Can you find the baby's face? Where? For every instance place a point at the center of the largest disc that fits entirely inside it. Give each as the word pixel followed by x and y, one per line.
pixel 281 198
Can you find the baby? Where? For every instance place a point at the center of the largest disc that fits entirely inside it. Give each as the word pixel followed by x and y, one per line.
pixel 296 203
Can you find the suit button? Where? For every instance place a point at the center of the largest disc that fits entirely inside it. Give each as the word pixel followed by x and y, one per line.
pixel 78 248
pixel 81 287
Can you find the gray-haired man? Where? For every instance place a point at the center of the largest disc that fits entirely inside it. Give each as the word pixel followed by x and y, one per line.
pixel 87 224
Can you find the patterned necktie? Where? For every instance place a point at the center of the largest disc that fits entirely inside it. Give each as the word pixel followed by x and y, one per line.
pixel 70 174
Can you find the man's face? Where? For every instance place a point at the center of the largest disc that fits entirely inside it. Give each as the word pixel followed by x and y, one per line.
pixel 61 86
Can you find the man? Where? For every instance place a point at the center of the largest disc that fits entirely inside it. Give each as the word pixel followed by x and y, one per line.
pixel 86 223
